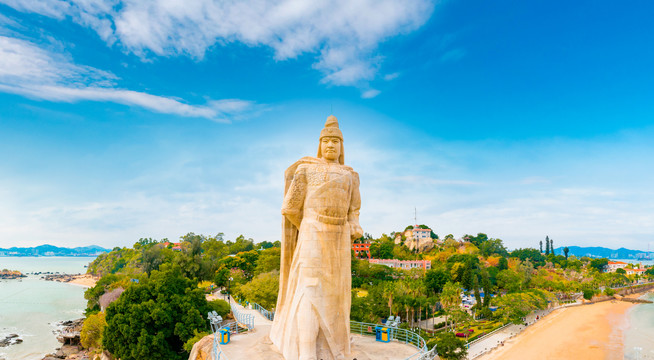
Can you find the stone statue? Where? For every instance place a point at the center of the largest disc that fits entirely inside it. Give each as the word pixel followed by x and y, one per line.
pixel 320 220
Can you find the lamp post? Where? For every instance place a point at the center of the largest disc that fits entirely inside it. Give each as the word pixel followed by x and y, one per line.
pixel 229 291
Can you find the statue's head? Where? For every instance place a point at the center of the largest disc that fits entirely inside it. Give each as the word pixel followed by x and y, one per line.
pixel 331 141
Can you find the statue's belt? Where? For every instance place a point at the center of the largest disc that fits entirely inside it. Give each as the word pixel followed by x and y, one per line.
pixel 332 220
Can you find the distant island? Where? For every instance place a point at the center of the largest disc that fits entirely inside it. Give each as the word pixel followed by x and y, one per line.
pixel 6 274
pixel 602 252
pixel 51 250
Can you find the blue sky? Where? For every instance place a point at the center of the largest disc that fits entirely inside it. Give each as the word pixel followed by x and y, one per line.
pixel 128 119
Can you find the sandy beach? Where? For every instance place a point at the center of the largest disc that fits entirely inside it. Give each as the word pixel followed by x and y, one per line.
pixel 85 280
pixel 580 332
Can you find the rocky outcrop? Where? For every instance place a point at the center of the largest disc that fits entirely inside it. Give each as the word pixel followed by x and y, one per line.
pixel 59 277
pixel 202 350
pixel 11 339
pixel 419 245
pixel 10 275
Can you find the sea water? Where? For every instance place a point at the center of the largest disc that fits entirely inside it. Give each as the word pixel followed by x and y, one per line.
pixel 639 336
pixel 31 307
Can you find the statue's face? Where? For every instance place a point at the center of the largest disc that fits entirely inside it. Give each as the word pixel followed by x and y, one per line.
pixel 330 147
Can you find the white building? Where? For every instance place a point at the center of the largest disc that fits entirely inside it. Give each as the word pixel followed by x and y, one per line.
pixel 403 264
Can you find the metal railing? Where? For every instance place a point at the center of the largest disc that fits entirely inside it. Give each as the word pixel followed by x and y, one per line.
pixel 246 320
pixel 484 337
pixel 397 334
pixel 270 315
pixel 234 327
pixel 215 321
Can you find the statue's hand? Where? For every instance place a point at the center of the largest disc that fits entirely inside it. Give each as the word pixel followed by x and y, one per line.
pixel 355 231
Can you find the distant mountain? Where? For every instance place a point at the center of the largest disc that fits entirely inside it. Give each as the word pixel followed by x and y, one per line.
pixel 597 251
pixel 51 250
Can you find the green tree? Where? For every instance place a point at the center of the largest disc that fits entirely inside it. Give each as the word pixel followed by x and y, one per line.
pixel 493 247
pixel 541 245
pixel 487 286
pixel 262 289
pixel 621 271
pixel 513 307
pixel 241 244
pixel 152 258
pixel 451 297
pixel 566 251
pixel 269 260
pixel 449 346
pixel 153 319
pixel 510 280
pixel 547 245
pixel 599 264
pixel 476 240
pixel 435 279
pixel 503 264
pixel 536 258
pixel 92 329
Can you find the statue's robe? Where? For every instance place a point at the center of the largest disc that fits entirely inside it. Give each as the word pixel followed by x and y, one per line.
pixel 320 202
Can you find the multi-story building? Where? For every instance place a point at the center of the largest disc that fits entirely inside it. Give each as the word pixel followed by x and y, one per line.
pixel 403 264
pixel 635 271
pixel 615 265
pixel 361 248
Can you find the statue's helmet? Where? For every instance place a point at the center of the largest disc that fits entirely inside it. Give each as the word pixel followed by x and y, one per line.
pixel 331 130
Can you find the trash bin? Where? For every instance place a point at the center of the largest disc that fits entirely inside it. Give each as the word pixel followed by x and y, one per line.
pixel 382 334
pixel 224 336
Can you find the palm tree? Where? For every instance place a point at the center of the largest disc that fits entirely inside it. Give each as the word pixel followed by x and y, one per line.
pixel 450 297
pixel 389 291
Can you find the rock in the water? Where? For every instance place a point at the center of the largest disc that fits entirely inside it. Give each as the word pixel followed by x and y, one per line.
pixel 11 339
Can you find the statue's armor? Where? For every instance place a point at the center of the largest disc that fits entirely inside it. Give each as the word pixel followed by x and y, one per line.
pixel 320 219
pixel 321 201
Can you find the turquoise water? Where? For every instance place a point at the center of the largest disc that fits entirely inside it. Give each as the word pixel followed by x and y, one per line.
pixel 639 337
pixel 635 261
pixel 31 307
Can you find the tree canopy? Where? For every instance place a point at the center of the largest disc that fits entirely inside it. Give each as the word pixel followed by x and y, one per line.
pixel 153 319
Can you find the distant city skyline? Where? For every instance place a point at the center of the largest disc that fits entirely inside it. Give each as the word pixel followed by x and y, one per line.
pixel 125 119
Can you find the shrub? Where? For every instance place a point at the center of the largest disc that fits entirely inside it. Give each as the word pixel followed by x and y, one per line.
pixel 91 334
pixel 188 346
pixel 219 306
pixel 609 292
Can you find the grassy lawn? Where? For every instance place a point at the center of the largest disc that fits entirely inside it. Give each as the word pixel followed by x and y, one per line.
pixel 479 327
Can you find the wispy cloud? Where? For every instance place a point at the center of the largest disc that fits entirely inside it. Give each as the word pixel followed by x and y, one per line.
pixel 36 72
pixel 369 94
pixel 453 55
pixel 393 76
pixel 344 34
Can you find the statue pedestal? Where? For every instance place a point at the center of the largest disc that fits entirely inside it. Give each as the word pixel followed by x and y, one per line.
pixel 255 345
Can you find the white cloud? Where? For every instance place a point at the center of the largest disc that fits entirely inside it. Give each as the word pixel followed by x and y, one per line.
pixel 344 33
pixel 29 70
pixel 369 94
pixel 393 76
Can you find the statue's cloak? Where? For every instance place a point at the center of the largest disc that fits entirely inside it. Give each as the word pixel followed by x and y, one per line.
pixel 320 209
pixel 289 234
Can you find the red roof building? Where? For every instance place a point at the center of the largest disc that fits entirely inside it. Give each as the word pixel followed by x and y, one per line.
pixel 361 248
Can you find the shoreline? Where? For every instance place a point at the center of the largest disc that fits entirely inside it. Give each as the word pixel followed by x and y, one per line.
pixel 585 332
pixel 85 280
